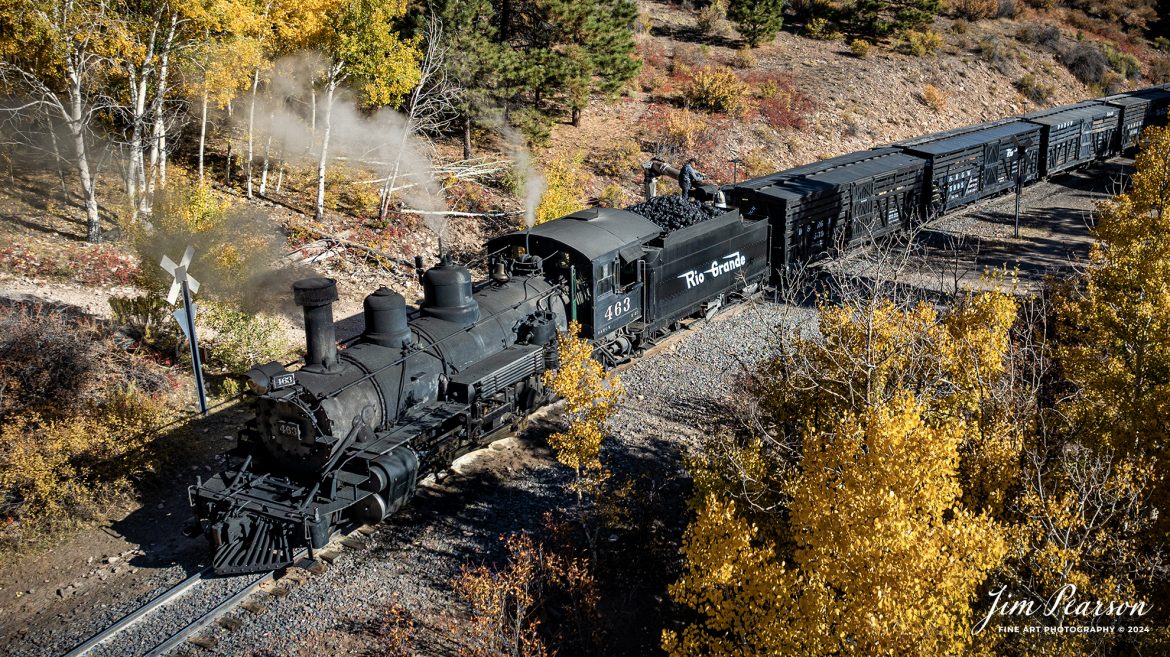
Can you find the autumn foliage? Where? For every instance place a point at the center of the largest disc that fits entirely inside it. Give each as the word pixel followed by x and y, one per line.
pixel 75 421
pixel 590 396
pixel 533 604
pixel 907 459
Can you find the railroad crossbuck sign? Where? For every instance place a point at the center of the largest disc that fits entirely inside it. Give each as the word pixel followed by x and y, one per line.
pixel 186 285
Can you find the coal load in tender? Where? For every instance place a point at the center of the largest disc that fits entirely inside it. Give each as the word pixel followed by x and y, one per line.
pixel 673 212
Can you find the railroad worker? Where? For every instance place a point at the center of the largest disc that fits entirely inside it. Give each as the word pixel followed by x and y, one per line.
pixel 687 176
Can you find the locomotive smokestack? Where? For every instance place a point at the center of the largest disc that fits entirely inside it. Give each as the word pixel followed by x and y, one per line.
pixel 316 296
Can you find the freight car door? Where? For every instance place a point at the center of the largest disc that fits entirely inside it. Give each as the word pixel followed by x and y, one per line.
pixel 1086 151
pixel 991 166
pixel 862 226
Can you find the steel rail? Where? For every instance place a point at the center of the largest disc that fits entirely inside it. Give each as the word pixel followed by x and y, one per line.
pixel 133 617
pixel 208 618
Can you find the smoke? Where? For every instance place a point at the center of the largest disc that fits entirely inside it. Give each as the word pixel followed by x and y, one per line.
pixel 294 116
pixel 238 251
pixel 534 182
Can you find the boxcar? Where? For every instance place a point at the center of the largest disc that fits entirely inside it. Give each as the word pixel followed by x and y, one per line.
pixel 976 163
pixel 835 203
pixel 1075 135
pixel 1138 110
pixel 693 269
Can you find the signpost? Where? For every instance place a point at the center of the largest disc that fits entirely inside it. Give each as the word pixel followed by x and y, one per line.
pixel 1021 146
pixel 187 285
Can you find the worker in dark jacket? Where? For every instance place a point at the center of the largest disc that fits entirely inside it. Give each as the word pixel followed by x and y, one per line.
pixel 687 176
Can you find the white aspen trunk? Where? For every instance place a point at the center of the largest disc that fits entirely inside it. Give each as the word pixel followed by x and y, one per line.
pixel 384 209
pixel 251 130
pixel 58 158
pixel 158 142
pixel 267 154
pixel 135 151
pixel 75 120
pixel 202 132
pixel 136 172
pixel 324 159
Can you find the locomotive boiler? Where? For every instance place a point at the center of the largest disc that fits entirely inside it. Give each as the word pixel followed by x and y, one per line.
pixel 345 438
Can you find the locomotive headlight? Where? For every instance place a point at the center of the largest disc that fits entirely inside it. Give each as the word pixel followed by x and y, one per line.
pixel 269 376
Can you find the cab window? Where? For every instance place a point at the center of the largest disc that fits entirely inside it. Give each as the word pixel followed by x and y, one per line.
pixel 606 282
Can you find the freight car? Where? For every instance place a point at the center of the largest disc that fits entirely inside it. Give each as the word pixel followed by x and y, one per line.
pixel 1138 110
pixel 834 204
pixel 1075 135
pixel 346 437
pixel 976 163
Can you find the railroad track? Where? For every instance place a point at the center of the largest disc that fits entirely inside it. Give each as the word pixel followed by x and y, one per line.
pixel 246 585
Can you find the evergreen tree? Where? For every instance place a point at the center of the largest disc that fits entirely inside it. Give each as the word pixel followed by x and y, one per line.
pixel 476 61
pixel 884 17
pixel 568 50
pixel 757 20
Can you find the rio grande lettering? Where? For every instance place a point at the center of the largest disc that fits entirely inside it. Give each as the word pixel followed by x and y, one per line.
pixel 730 263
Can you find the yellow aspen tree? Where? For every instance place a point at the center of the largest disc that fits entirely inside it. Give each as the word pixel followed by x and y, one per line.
pixel 364 49
pixel 591 396
pixel 229 52
pixel 740 587
pixel 563 190
pixel 58 52
pixel 877 519
pixel 867 353
pixel 1114 328
pixel 884 559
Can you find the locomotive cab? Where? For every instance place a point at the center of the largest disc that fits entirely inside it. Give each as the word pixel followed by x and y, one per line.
pixel 597 256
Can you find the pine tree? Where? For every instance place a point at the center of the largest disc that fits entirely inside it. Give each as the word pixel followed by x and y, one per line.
pixel 884 17
pixel 568 50
pixel 757 20
pixel 477 62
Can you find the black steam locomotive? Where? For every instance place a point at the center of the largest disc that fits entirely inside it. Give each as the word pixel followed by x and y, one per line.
pixel 346 437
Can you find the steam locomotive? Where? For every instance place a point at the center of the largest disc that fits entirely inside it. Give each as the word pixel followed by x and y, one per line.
pixel 347 436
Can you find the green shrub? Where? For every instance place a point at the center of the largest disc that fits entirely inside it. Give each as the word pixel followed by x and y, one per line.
pixel 921 43
pixel 818 28
pixel 974 9
pixel 613 196
pixel 1160 70
pixel 53 471
pixel 536 126
pixel 50 363
pixel 1086 62
pixel 859 48
pixel 241 339
pixel 144 316
pixel 1162 43
pixel 711 19
pixel 1047 36
pixel 714 89
pixel 1128 66
pixel 744 58
pixel 1034 90
pixel 619 159
pixel 756 164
